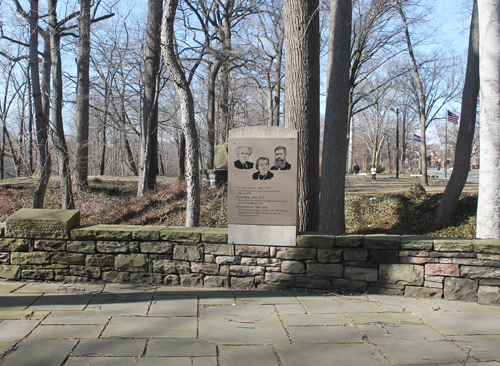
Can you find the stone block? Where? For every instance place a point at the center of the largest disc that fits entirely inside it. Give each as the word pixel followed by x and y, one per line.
pixel 147 233
pixel 146 279
pixel 100 260
pixel 216 281
pixel 104 232
pixel 491 263
pixel 68 258
pixel 413 253
pixel 490 257
pixel 384 256
pixel 248 261
pixel 214 235
pixel 81 246
pixel 439 279
pixel 133 247
pixel 355 255
pixel 312 282
pixel 380 241
pixel 49 245
pixel 38 274
pixel 268 262
pixel 381 288
pixel 205 268
pixel 242 282
pixel 220 156
pixel 14 245
pixel 330 255
pixel 292 267
pixel 426 292
pixel 432 269
pixel 168 266
pixel 115 277
pixel 416 242
pixel 327 270
pixel 279 279
pixel 10 272
pixel 219 249
pixel 158 247
pixel 227 259
pixel 490 282
pixel 489 295
pixel 402 274
pixel 453 245
pixel 5 258
pixel 41 223
pixel 361 274
pixel 346 285
pixel 315 240
pixel 192 253
pixel 85 271
pixel 417 260
pixel 243 271
pixel 432 284
pixel 182 234
pixel 112 246
pixel 30 258
pixel 2 229
pixel 296 253
pixel 171 280
pixel 131 263
pixel 473 272
pixel 468 261
pixel 191 280
pixel 487 246
pixel 462 289
pixel 251 250
pixel 349 241
pixel 209 258
pixel 452 255
pixel 361 264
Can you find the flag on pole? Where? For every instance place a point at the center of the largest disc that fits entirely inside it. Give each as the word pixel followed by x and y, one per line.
pixel 417 138
pixel 453 118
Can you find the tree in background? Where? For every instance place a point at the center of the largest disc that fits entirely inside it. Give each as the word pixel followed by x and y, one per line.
pixel 332 212
pixel 302 82
pixel 488 206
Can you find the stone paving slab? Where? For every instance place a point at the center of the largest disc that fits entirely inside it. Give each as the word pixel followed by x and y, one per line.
pixel 6 287
pixel 174 305
pixel 462 323
pixel 341 306
pixel 75 317
pixel 285 309
pixel 119 307
pixel 411 344
pixel 110 347
pixel 315 319
pixel 6 345
pixel 66 331
pixel 383 318
pixel 327 354
pixel 263 298
pixel 54 302
pixel 47 351
pixel 151 327
pixel 128 361
pixel 325 334
pixel 181 347
pixel 392 303
pixel 16 302
pixel 482 347
pixel 23 314
pixel 14 330
pixel 244 356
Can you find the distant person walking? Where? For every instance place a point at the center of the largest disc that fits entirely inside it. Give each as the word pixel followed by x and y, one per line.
pixel 373 170
pixel 356 170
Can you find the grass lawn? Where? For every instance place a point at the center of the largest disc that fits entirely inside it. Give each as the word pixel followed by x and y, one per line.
pixel 390 206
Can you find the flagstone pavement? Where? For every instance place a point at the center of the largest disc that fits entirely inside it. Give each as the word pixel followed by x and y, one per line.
pixel 55 324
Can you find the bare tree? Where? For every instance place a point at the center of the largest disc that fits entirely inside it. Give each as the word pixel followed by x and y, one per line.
pixel 182 86
pixel 488 206
pixel 463 150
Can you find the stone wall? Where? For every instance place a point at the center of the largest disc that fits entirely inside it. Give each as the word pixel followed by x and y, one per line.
pixel 455 269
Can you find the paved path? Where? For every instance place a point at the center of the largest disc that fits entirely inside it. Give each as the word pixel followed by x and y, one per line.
pixel 46 324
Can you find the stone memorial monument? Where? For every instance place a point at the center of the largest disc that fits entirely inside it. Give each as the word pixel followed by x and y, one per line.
pixel 262 186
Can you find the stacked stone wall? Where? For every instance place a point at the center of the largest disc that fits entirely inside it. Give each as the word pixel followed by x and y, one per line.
pixel 455 269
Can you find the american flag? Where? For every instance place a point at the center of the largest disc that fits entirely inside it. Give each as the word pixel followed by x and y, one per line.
pixel 417 138
pixel 453 118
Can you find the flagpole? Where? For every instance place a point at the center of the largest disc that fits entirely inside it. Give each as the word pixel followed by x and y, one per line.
pixel 446 147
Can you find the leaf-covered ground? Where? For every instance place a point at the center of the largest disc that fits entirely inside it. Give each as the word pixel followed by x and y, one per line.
pixel 409 211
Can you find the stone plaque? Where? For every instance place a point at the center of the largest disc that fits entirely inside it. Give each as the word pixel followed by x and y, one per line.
pixel 262 186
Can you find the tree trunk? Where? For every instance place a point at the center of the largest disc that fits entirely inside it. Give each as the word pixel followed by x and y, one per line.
pixel 82 98
pixel 213 71
pixel 57 97
pixel 187 113
pixel 41 119
pixel 181 146
pixel 148 166
pixel 102 163
pixel 451 195
pixel 277 84
pixel 488 206
pixel 302 83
